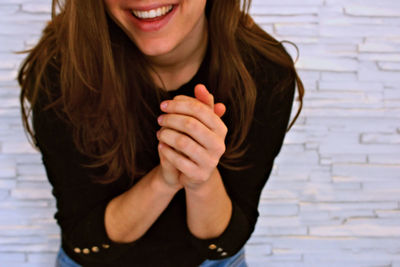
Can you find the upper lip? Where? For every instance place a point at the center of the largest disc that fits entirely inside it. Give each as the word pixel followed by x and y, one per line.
pixel 150 7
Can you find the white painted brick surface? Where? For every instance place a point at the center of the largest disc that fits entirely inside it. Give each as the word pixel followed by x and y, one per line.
pixel 334 195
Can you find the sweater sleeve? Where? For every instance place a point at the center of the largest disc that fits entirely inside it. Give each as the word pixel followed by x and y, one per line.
pixel 265 139
pixel 80 203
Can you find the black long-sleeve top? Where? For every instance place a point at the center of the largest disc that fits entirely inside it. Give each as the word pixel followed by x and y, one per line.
pixel 81 204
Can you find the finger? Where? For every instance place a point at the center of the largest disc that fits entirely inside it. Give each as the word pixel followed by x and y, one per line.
pixel 219 108
pixel 178 160
pixel 201 93
pixel 197 110
pixel 185 145
pixel 191 127
pixel 166 164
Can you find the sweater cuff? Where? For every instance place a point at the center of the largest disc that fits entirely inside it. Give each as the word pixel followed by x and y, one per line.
pixel 229 242
pixel 88 240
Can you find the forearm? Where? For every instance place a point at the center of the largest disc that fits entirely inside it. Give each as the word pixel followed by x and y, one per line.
pixel 131 214
pixel 209 208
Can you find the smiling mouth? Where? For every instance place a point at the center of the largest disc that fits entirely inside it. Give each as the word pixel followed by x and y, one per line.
pixel 153 13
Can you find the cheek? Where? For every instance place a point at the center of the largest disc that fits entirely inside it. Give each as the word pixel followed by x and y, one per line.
pixel 111 7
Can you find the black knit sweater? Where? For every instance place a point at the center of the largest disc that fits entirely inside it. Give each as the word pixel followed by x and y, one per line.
pixel 81 204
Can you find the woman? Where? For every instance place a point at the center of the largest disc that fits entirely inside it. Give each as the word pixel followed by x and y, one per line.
pixel 138 183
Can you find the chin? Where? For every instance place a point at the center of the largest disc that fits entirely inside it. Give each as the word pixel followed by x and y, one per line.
pixel 153 49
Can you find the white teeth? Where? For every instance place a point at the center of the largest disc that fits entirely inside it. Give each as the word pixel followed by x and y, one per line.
pixel 154 13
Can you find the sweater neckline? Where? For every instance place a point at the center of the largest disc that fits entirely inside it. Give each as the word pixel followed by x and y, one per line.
pixel 199 77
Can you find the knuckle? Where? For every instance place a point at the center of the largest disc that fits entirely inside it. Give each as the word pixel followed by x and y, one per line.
pixel 181 97
pixel 182 142
pixel 225 130
pixel 215 162
pixel 197 107
pixel 190 124
pixel 220 149
pixel 162 133
pixel 223 148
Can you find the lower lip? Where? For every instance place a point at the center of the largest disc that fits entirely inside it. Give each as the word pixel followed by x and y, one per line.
pixel 151 25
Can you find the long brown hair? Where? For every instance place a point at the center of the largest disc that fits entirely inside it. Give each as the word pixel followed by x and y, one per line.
pixel 104 103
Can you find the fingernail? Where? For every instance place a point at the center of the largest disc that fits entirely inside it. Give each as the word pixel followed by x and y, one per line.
pixel 164 104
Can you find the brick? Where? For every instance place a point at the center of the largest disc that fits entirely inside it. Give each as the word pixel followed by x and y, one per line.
pixel 303 29
pixel 285 3
pixel 7 75
pixel 35 178
pixel 27 214
pixel 348 158
pixel 352 196
pixel 283 255
pixel 7 168
pixel 12 257
pixel 269 194
pixel 257 249
pixel 21 28
pixel 391 66
pixel 27 265
pixel 379 47
pixel 327 64
pixel 348 30
pixel 338 77
pixel 48 258
pixel 349 147
pixel 31 169
pixel 332 244
pixel 52 246
pixel 340 50
pixel 380 138
pixel 395 57
pixel 345 86
pixel 365 230
pixel 368 71
pixel 7 183
pixel 9 102
pixel 278 209
pixel 341 112
pixel 36 8
pixel 371 11
pixel 273 10
pixel 31 194
pixel 280 231
pixel 388 213
pixel 367 172
pixel 332 206
pixel 384 158
pixel 23 204
pixel 19 228
pixel 350 125
pixel 348 258
pixel 341 215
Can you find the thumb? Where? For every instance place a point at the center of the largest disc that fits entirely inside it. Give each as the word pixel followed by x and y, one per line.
pixel 201 93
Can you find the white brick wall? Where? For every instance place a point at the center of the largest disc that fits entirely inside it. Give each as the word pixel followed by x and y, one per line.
pixel 334 196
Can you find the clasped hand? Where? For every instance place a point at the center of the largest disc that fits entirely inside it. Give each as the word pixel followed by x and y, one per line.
pixel 191 138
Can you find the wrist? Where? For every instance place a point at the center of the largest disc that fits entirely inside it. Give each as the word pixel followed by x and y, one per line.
pixel 203 189
pixel 158 183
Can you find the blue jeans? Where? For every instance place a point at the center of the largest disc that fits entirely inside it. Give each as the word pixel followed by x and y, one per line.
pixel 237 260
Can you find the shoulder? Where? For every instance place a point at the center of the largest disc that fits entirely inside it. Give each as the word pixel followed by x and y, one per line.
pixel 273 74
